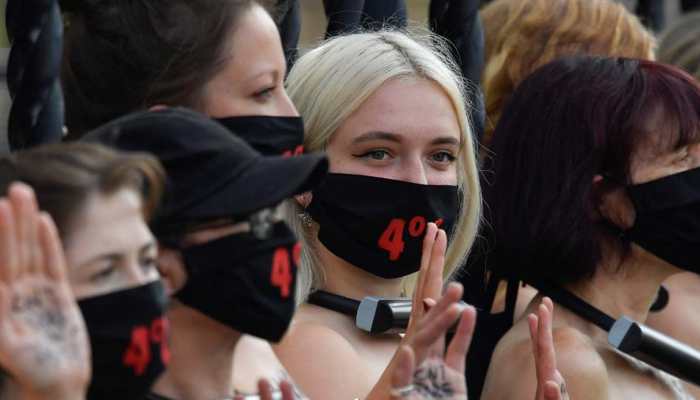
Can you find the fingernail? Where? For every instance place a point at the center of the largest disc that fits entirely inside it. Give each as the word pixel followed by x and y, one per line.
pixel 428 303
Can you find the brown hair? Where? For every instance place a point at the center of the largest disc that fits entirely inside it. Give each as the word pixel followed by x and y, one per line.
pixel 122 56
pixel 521 36
pixel 680 45
pixel 64 175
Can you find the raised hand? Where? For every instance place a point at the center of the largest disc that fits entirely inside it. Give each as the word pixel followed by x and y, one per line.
pixel 422 369
pixel 44 345
pixel 550 383
pixel 437 377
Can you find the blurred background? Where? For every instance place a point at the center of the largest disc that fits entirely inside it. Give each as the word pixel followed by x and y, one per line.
pixel 314 20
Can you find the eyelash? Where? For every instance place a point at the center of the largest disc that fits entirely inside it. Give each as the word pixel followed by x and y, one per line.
pixel 450 158
pixel 265 93
pixel 368 154
pixel 147 264
pixel 104 274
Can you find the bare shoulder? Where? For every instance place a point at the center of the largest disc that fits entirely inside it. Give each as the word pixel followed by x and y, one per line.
pixel 512 373
pixel 319 359
pixel 254 359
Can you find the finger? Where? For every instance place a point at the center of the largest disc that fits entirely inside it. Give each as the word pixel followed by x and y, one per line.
pixel 24 206
pixel 8 246
pixel 545 344
pixel 431 329
pixel 429 339
pixel 433 283
pixel 418 293
pixel 459 346
pixel 549 304
pixel 264 389
pixel 553 391
pixel 54 262
pixel 453 293
pixel 287 390
pixel 403 372
pixel 5 296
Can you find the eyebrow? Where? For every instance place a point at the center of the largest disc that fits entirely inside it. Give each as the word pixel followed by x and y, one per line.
pixel 392 137
pixel 116 256
pixel 271 71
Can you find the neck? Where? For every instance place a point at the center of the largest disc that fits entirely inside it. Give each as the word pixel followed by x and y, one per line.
pixel 347 280
pixel 627 289
pixel 201 363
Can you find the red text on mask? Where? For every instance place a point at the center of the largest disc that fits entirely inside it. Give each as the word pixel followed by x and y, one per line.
pixel 281 276
pixel 392 240
pixel 138 354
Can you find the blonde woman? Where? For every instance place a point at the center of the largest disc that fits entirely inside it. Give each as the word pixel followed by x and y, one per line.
pixel 521 36
pixel 390 113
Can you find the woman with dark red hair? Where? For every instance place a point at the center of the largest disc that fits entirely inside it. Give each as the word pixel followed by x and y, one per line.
pixel 595 199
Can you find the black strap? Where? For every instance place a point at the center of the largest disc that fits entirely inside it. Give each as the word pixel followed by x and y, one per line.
pixel 335 302
pixel 156 396
pixel 575 304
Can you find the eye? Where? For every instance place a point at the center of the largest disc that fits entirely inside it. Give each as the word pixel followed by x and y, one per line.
pixel 149 264
pixel 103 274
pixel 265 94
pixel 443 157
pixel 378 155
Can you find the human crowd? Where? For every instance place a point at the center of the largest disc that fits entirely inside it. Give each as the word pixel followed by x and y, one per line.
pixel 232 217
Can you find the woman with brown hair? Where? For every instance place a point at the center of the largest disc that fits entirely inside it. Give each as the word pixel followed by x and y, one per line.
pixel 521 36
pixel 111 272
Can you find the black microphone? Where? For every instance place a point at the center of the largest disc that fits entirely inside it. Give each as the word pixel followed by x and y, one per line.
pixel 380 315
pixel 656 349
pixel 375 315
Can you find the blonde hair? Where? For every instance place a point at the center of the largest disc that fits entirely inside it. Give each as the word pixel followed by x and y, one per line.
pixel 521 36
pixel 330 82
pixel 680 45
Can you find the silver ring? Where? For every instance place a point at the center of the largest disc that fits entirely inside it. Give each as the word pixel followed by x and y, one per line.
pixel 402 391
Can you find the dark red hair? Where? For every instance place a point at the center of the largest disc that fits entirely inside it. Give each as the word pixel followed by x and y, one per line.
pixel 573 119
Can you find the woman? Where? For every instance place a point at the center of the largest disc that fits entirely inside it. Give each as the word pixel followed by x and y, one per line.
pixel 524 35
pixel 679 46
pixel 594 148
pixel 226 259
pixel 225 61
pixel 111 272
pixel 389 112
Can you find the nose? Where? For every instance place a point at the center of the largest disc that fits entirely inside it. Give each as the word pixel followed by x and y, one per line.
pixel 414 170
pixel 137 276
pixel 286 107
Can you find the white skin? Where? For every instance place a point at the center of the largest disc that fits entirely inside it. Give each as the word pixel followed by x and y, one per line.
pixel 407 130
pixel 591 368
pixel 251 82
pixel 44 345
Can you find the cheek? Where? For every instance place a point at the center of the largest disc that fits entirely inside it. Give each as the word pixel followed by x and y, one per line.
pixel 446 177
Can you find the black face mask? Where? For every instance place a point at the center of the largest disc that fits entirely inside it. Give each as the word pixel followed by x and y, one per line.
pixel 270 136
pixel 129 341
pixel 244 282
pixel 378 224
pixel 668 218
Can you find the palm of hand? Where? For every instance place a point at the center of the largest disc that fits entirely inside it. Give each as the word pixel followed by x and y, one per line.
pixel 434 380
pixel 43 340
